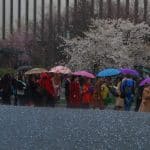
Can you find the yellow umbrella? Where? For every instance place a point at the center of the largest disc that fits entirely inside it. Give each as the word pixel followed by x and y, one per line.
pixel 36 71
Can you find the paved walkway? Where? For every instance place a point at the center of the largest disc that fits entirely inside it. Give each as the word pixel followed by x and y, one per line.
pixel 26 128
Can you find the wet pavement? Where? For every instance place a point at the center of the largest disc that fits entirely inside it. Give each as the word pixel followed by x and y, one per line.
pixel 27 128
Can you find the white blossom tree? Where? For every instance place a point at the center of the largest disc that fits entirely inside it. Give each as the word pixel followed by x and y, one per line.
pixel 110 43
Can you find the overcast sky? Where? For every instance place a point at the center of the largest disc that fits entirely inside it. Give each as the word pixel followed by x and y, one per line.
pixel 38 9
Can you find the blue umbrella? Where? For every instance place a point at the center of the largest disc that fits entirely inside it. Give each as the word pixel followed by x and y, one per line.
pixel 108 72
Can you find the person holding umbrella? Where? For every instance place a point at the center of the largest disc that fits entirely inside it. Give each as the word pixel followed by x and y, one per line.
pixel 67 89
pixel 128 91
pixel 145 104
pixel 31 90
pixel 75 93
pixel 56 82
pixel 119 100
pixel 48 90
pixel 86 88
pixel 139 92
pixel 97 101
pixel 5 85
pixel 105 91
pixel 87 93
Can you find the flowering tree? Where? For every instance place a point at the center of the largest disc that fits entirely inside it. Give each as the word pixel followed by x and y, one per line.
pixel 110 43
pixel 17 47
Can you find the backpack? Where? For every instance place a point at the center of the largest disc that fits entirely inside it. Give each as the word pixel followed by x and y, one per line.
pixel 129 86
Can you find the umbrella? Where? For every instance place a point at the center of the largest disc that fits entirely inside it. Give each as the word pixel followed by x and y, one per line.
pixel 127 71
pixel 60 69
pixel 84 74
pixel 146 70
pixel 21 83
pixel 108 72
pixel 24 68
pixel 145 81
pixel 36 71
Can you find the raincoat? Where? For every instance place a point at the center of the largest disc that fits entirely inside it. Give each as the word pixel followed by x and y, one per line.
pixel 75 94
pixel 45 82
pixel 105 94
pixel 104 91
pixel 86 94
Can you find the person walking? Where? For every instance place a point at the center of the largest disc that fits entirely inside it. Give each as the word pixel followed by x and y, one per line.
pixel 139 92
pixel 14 91
pixel 86 93
pixel 6 86
pixel 105 92
pixel 119 105
pixel 56 83
pixel 67 89
pixel 128 90
pixel 75 93
pixel 97 101
pixel 145 104
pixel 32 91
pixel 48 91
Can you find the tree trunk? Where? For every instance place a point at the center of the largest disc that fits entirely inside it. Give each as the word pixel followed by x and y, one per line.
pixel 145 10
pixel 27 16
pixel 42 19
pixel 101 9
pixel 51 53
pixel 4 20
pixel 118 8
pixel 34 17
pixel 136 5
pixel 67 18
pixel 59 17
pixel 109 11
pixel 19 14
pixel 127 9
pixel 11 16
pixel 92 8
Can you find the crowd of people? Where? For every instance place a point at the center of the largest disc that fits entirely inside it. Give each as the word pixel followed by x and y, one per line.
pixel 80 92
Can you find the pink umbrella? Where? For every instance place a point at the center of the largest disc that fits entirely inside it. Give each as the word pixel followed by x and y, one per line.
pixel 84 74
pixel 60 69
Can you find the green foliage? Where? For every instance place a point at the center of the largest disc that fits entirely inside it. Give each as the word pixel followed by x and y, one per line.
pixel 4 71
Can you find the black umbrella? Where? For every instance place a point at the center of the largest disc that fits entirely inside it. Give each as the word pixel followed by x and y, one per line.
pixel 24 68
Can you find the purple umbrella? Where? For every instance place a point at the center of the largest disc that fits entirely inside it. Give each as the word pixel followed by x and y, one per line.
pixel 129 71
pixel 145 81
pixel 84 74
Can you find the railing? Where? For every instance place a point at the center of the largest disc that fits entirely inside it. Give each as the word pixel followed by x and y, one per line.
pixel 17 14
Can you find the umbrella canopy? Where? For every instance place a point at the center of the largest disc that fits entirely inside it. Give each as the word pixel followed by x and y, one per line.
pixel 24 68
pixel 145 81
pixel 60 69
pixel 108 72
pixel 146 70
pixel 84 74
pixel 127 71
pixel 21 83
pixel 36 71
